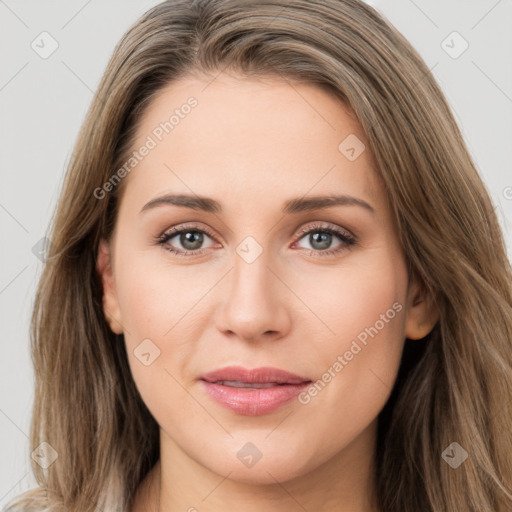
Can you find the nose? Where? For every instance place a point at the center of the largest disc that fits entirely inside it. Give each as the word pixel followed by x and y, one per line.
pixel 256 304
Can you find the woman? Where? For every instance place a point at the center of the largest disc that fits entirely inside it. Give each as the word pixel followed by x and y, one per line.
pixel 192 354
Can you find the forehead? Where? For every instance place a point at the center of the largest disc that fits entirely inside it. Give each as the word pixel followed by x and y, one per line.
pixel 271 136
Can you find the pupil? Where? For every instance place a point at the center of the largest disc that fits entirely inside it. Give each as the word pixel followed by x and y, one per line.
pixel 324 240
pixel 191 240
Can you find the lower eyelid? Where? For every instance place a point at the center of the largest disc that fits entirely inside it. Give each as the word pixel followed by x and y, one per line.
pixel 346 240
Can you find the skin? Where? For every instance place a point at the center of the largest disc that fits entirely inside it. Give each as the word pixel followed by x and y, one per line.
pixel 251 145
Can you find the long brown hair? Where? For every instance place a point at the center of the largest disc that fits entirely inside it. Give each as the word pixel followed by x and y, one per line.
pixel 456 388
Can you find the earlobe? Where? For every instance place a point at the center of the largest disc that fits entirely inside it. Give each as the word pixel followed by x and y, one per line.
pixel 110 303
pixel 422 313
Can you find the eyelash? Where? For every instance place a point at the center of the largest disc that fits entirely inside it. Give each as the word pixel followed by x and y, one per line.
pixel 344 237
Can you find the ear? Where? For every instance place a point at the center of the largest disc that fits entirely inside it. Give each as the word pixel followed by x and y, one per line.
pixel 422 312
pixel 110 301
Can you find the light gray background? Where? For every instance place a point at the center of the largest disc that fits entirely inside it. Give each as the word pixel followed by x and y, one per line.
pixel 44 101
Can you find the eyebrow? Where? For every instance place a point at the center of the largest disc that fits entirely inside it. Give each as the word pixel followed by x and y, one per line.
pixel 291 206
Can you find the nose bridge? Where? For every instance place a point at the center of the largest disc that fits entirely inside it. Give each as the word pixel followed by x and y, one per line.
pixel 252 257
pixel 251 284
pixel 253 305
pixel 251 276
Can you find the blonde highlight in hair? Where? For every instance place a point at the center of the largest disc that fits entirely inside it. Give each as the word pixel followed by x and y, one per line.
pixel 456 387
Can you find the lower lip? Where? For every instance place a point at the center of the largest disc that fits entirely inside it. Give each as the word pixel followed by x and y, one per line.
pixel 253 401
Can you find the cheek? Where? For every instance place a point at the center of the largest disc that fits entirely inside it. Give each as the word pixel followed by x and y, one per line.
pixel 357 360
pixel 145 311
pixel 160 308
pixel 154 296
pixel 349 300
pixel 371 310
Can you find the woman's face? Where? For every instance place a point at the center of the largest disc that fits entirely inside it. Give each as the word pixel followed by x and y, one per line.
pixel 263 283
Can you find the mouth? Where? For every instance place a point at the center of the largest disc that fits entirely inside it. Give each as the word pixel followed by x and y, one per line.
pixel 234 375
pixel 251 385
pixel 253 392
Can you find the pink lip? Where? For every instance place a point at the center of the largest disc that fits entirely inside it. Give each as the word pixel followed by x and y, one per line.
pixel 253 401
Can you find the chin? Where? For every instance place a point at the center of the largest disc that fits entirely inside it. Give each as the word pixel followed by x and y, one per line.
pixel 261 463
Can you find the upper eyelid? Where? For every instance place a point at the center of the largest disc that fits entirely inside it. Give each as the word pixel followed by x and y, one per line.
pixel 347 238
pixel 326 226
pixel 318 225
pixel 176 230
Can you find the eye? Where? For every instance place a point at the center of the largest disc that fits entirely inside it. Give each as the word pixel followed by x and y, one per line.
pixel 321 236
pixel 191 238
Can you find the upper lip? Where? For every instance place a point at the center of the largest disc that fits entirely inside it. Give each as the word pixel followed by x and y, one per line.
pixel 255 375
